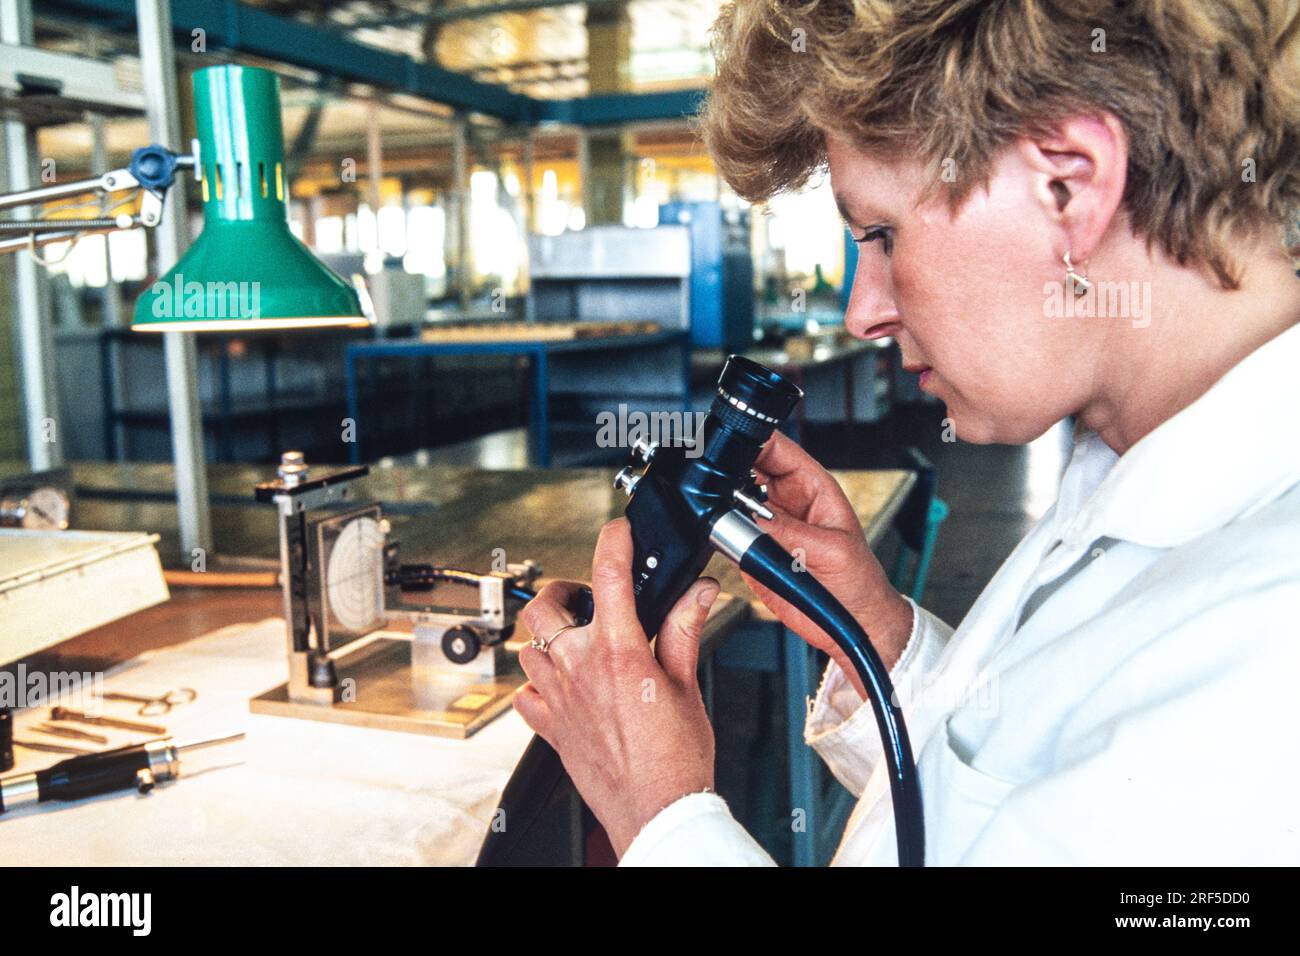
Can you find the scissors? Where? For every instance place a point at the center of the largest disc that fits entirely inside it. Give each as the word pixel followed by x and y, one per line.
pixel 157 705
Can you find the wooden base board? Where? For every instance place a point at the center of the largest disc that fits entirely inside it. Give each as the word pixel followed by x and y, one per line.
pixel 387 698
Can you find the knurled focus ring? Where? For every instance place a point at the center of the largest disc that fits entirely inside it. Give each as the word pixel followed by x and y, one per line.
pixel 746 424
pixel 747 409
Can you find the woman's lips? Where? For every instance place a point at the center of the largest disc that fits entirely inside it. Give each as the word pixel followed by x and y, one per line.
pixel 921 370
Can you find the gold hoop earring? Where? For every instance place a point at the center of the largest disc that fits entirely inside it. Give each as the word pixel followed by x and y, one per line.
pixel 1075 281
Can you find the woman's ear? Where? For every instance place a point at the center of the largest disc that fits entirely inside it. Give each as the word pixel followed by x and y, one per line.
pixel 1079 170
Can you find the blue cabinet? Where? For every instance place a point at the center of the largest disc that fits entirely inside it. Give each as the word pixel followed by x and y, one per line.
pixel 722 273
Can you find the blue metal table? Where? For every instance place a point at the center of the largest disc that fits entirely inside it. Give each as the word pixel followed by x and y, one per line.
pixel 539 353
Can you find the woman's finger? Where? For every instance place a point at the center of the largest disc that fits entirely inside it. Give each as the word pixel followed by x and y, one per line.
pixel 563 593
pixel 799 485
pixel 678 646
pixel 534 710
pixel 783 456
pixel 568 648
pixel 611 585
pixel 540 670
pixel 549 611
pixel 789 472
pixel 791 533
pixel 549 619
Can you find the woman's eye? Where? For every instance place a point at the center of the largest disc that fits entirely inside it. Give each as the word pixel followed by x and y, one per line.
pixel 885 235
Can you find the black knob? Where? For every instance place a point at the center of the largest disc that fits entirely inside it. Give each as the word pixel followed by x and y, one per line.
pixel 461 644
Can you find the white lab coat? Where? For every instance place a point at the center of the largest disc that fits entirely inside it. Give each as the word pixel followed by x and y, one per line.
pixel 1141 712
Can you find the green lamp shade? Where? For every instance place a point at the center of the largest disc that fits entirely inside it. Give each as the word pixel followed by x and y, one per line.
pixel 246 271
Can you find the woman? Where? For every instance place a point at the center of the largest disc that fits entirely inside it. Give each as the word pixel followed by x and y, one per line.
pixel 1072 208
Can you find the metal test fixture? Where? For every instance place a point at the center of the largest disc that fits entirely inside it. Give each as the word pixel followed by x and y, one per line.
pixel 343 584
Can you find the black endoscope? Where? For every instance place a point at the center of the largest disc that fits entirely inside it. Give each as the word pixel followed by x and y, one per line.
pixel 689 501
pixel 680 503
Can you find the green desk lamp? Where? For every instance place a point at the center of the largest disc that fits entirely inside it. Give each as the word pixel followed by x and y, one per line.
pixel 246 271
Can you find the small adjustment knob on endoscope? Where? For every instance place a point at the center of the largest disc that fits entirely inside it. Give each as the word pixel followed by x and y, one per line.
pixel 144 781
pixel 625 481
pixel 752 505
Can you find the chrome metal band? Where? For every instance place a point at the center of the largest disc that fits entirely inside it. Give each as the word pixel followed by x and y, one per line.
pixel 733 533
pixel 164 762
pixel 16 791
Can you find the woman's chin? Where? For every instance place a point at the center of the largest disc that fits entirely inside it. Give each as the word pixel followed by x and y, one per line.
pixel 988 430
pixel 963 424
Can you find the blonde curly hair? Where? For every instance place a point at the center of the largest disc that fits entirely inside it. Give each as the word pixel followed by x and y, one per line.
pixel 1208 92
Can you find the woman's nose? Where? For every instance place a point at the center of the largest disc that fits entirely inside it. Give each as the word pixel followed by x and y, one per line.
pixel 871 312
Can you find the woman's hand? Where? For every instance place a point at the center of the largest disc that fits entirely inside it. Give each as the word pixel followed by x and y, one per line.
pixel 815 523
pixel 631 730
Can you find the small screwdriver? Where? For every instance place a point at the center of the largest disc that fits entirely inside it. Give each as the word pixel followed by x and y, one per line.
pixel 42 747
pixel 65 713
pixel 70 732
pixel 141 766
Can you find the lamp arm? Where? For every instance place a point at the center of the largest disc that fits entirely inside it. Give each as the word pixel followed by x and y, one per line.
pixel 35 241
pixel 113 181
pixel 152 169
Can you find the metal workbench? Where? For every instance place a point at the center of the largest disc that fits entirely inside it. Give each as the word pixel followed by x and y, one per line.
pixel 456 516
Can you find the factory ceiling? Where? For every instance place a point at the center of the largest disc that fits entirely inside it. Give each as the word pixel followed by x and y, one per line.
pixel 534 47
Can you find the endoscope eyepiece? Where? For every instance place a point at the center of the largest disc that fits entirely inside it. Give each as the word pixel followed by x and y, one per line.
pixel 758 387
pixel 760 395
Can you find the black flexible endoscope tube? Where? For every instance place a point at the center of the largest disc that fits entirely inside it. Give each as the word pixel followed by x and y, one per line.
pixel 770 564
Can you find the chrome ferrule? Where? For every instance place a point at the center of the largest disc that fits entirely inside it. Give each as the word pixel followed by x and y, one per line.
pixel 19 790
pixel 733 533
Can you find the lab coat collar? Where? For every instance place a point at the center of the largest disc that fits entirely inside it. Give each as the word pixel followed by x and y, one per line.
pixel 1231 451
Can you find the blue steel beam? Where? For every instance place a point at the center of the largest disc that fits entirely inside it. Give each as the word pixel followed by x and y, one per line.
pixel 612 108
pixel 235 26
pixel 451 14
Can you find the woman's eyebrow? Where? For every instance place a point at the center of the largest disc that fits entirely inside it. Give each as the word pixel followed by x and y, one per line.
pixel 842 205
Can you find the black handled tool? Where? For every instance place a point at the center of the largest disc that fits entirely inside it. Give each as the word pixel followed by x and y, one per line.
pixel 138 766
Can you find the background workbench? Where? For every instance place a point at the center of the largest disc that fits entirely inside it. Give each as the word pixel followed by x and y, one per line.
pixel 650 367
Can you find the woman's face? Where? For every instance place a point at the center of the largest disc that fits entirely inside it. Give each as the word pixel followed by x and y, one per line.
pixel 964 294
